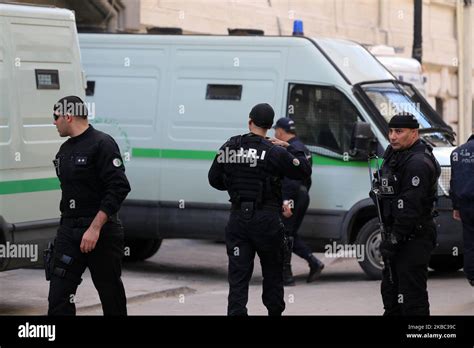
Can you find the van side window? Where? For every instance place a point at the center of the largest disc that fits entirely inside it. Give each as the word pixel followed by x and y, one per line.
pixel 324 118
pixel 224 92
pixel 47 79
pixel 90 89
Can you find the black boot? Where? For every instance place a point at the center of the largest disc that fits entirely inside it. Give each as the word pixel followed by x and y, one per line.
pixel 288 279
pixel 315 268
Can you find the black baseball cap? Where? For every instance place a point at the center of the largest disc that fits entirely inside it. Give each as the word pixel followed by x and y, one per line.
pixel 404 120
pixel 262 115
pixel 285 123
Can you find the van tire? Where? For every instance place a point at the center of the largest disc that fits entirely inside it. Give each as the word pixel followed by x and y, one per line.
pixel 141 249
pixel 369 236
pixel 446 263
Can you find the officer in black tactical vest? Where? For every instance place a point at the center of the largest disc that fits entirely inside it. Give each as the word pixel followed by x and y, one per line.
pixel 250 167
pixel 408 183
pixel 93 185
pixel 296 196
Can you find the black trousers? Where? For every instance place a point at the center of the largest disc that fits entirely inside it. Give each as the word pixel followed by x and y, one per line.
pixel 105 265
pixel 260 233
pixel 467 216
pixel 292 224
pixel 407 294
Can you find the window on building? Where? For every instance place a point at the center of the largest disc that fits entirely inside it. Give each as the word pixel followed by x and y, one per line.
pixel 439 106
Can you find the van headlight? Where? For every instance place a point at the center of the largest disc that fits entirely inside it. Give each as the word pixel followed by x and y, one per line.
pixel 444 181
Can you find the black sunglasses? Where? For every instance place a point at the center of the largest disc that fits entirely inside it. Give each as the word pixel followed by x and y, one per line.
pixel 56 116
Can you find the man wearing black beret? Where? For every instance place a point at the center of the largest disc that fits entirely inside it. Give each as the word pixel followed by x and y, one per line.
pixel 408 185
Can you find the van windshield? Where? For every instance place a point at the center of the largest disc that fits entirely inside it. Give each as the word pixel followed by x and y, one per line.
pixel 392 97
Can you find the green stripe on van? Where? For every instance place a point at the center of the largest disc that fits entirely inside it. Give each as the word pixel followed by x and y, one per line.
pixel 209 155
pixel 49 184
pixel 175 154
pixel 24 186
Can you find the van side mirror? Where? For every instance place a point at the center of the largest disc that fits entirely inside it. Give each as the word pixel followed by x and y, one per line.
pixel 363 141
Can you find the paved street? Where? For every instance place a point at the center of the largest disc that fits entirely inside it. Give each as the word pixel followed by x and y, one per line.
pixel 188 277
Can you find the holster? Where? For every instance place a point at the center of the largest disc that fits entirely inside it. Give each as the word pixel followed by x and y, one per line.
pixel 48 260
pixel 247 209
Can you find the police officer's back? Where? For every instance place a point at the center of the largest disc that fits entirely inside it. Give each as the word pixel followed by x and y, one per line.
pixel 408 183
pixel 462 196
pixel 250 167
pixel 93 185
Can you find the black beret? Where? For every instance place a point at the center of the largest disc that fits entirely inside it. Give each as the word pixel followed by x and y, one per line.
pixel 404 120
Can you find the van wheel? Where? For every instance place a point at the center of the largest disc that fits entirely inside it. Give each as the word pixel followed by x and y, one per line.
pixel 446 263
pixel 369 236
pixel 141 249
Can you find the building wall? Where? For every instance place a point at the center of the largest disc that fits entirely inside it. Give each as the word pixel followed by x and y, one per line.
pixel 371 22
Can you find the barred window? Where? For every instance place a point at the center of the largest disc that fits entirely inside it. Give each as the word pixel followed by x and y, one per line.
pixel 324 118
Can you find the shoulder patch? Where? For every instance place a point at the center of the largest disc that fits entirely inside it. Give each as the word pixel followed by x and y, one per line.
pixel 415 181
pixel 117 162
pixel 296 162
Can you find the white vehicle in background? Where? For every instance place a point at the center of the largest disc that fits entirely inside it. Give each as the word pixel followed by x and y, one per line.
pixel 170 101
pixel 39 64
pixel 404 69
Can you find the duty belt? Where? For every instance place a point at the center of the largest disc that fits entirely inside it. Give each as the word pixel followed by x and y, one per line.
pixel 252 205
pixel 84 221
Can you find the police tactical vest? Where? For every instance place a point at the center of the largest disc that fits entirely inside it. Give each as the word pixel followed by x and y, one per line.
pixel 390 185
pixel 248 176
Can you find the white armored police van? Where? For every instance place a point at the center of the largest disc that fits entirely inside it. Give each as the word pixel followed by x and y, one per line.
pixel 172 101
pixel 39 64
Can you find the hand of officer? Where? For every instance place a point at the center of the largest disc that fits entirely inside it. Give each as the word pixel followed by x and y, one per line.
pixel 456 215
pixel 89 239
pixel 287 210
pixel 279 142
pixel 390 247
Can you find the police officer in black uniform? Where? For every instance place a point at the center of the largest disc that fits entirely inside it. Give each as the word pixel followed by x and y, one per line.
pixel 462 196
pixel 93 185
pixel 296 196
pixel 253 180
pixel 408 183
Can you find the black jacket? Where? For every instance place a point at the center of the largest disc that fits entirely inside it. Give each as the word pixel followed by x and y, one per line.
pixel 92 175
pixel 290 187
pixel 462 174
pixel 408 181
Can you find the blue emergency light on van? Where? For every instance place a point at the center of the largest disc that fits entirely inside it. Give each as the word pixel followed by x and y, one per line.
pixel 298 27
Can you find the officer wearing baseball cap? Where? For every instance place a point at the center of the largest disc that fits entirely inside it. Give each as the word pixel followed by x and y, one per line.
pixel 408 184
pixel 296 197
pixel 250 168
